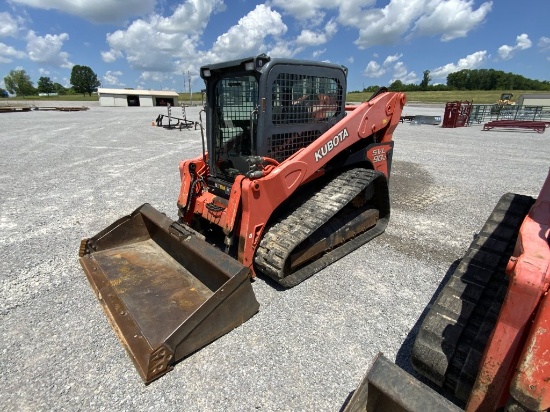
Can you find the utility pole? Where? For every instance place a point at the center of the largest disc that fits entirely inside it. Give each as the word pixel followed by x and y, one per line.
pixel 189 80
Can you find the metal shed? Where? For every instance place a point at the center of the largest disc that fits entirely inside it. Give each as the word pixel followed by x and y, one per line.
pixel 130 97
pixel 534 99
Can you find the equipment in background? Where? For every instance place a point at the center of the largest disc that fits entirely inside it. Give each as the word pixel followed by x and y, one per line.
pixel 175 122
pixel 422 119
pixel 457 114
pixel 505 99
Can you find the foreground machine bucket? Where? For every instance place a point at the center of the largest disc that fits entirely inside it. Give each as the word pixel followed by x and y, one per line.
pixel 166 291
pixel 388 388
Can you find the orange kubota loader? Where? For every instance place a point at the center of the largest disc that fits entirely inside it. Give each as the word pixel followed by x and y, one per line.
pixel 290 180
pixel 486 338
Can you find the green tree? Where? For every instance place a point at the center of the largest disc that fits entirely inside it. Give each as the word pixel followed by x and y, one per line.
pixel 458 80
pixel 425 80
pixel 397 86
pixel 371 89
pixel 489 79
pixel 84 80
pixel 18 82
pixel 45 85
pixel 59 89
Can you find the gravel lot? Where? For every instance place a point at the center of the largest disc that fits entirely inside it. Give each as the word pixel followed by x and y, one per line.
pixel 67 175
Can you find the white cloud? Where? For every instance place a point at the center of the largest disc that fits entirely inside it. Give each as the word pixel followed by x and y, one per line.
pixel 391 59
pixel 373 69
pixel 448 19
pixel 189 17
pixel 161 44
pixel 522 43
pixel 472 61
pixel 111 55
pixel 155 77
pixel 351 12
pixel 544 43
pixel 311 38
pixel 47 49
pixel 8 53
pixel 9 25
pixel 310 12
pixel 387 25
pixel 283 49
pixel 98 11
pixel 318 53
pixel 505 52
pixel 112 77
pixel 400 73
pixel 391 64
pixel 451 19
pixel 147 48
pixel 249 36
pixel 376 70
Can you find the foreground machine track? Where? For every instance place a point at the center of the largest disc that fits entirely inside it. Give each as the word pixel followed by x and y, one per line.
pixel 486 338
pixel 351 209
pixel 451 341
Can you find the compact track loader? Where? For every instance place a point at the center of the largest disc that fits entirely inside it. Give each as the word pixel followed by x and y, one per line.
pixel 486 338
pixel 290 180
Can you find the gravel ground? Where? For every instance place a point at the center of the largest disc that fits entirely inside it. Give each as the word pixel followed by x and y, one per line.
pixel 67 175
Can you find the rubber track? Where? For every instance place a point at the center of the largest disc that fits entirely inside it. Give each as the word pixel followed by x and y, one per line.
pixel 297 225
pixel 452 338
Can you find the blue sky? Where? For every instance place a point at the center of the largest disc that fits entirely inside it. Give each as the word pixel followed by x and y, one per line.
pixel 160 44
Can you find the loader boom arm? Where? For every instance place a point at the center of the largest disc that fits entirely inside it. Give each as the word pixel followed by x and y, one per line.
pixel 262 196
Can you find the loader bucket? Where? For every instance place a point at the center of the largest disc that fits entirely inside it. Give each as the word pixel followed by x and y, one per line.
pixel 166 291
pixel 386 387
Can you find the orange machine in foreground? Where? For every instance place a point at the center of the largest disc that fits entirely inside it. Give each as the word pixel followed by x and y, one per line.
pixel 290 180
pixel 486 339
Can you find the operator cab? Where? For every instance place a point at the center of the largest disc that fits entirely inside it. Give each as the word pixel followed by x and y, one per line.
pixel 262 107
pixel 235 125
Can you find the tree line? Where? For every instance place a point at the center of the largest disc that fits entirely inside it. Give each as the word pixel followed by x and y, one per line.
pixel 18 82
pixel 479 79
pixel 84 80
